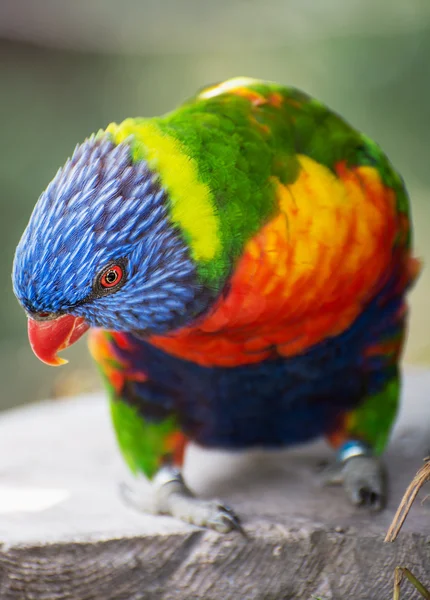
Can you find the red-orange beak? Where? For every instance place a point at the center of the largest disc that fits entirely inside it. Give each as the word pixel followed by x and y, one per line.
pixel 47 338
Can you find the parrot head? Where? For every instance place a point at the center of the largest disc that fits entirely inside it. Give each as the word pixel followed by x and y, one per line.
pixel 100 251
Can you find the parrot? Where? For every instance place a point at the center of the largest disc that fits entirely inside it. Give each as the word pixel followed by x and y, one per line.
pixel 241 265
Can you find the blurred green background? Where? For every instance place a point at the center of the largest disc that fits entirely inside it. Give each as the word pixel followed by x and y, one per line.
pixel 69 68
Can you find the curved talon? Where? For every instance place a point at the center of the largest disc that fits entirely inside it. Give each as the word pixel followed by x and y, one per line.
pixel 363 496
pixel 226 521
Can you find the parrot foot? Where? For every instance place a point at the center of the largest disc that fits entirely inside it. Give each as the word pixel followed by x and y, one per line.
pixel 172 497
pixel 363 479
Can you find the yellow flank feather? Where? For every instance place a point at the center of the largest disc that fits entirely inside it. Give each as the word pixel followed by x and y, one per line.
pixel 333 225
pixel 192 207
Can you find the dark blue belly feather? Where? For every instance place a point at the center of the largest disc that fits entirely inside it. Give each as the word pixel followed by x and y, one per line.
pixel 274 403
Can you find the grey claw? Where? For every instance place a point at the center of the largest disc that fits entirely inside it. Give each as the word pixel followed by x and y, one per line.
pixel 222 523
pixel 368 498
pixel 365 482
pixel 226 520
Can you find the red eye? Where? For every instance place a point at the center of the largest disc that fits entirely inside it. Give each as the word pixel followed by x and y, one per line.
pixel 111 277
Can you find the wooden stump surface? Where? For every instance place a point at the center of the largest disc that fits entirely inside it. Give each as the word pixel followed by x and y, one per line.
pixel 65 533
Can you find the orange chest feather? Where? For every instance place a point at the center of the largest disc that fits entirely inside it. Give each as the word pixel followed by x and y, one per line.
pixel 306 275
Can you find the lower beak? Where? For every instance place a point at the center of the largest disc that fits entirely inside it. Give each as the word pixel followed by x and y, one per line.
pixel 47 338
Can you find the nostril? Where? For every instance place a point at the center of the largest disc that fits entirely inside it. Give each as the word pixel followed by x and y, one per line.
pixel 40 315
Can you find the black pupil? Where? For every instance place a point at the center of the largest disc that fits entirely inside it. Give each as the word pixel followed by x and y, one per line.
pixel 111 276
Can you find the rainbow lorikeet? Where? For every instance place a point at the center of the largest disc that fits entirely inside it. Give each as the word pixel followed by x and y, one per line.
pixel 242 264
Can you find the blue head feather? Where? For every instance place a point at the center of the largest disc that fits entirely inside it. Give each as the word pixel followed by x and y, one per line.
pixel 101 208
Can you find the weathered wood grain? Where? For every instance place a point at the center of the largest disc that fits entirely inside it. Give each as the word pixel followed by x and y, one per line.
pixel 303 541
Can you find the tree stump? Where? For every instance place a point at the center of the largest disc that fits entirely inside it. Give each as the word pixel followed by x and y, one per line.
pixel 66 534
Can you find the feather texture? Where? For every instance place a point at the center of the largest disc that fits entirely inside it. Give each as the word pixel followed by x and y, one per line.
pixel 267 249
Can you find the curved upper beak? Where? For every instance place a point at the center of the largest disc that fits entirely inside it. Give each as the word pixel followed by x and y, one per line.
pixel 47 338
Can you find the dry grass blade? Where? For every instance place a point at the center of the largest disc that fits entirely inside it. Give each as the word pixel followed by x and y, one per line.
pixel 398 578
pixel 399 574
pixel 422 476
